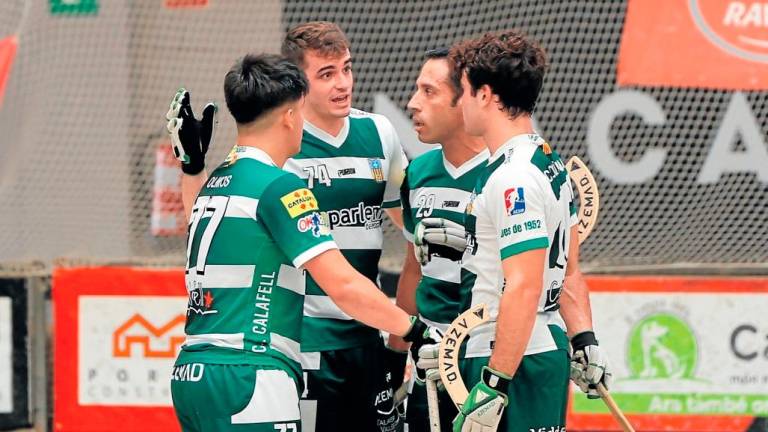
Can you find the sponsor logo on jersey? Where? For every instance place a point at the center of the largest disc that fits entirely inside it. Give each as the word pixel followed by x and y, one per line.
pixel 376 170
pixel 192 372
pixel 514 201
pixel 200 302
pixel 346 172
pixel 299 202
pixel 363 215
pixel 313 222
pixel 450 204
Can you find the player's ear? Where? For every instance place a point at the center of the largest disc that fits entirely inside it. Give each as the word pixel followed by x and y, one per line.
pixel 486 95
pixel 287 117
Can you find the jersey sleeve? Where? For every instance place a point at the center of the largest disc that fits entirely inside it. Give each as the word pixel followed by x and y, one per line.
pixel 405 201
pixel 393 152
pixel 291 215
pixel 516 204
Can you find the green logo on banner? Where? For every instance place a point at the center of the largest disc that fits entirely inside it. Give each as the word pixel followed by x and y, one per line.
pixel 662 346
pixel 74 7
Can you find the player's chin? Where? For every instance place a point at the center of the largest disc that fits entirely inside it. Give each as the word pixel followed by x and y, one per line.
pixel 425 136
pixel 340 111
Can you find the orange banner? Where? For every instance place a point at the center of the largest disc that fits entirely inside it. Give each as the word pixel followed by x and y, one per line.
pixel 716 44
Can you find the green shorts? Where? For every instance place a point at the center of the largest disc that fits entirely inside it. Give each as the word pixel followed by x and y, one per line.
pixel 348 390
pixel 215 397
pixel 538 393
pixel 417 411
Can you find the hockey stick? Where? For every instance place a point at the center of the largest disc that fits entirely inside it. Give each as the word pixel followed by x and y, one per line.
pixel 448 353
pixel 432 406
pixel 619 416
pixel 589 198
pixel 589 207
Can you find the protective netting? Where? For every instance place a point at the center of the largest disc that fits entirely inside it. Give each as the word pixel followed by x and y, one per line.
pixel 84 109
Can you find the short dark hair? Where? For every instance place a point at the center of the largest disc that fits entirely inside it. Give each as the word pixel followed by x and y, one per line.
pixel 258 83
pixel 322 36
pixel 509 62
pixel 454 80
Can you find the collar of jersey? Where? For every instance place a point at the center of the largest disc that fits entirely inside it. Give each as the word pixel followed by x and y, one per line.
pixel 335 141
pixel 456 172
pixel 254 153
pixel 514 142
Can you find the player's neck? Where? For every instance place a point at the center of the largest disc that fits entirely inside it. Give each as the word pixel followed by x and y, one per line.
pixel 462 147
pixel 500 129
pixel 328 124
pixel 272 142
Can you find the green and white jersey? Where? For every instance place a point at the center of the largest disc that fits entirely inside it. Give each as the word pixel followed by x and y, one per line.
pixel 252 227
pixel 523 201
pixel 435 188
pixel 354 176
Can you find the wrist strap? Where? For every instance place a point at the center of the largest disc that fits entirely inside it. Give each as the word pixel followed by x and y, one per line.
pixel 495 379
pixel 416 332
pixel 580 340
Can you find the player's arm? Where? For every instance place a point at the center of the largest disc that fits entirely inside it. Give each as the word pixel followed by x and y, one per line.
pixel 406 291
pixel 589 364
pixel 355 294
pixel 190 140
pixel 191 184
pixel 575 307
pixel 289 212
pixel 411 272
pixel 396 216
pixel 524 278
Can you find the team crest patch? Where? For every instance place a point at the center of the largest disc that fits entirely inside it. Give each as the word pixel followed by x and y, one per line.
pixel 314 222
pixel 299 202
pixel 376 170
pixel 514 201
pixel 471 203
pixel 232 156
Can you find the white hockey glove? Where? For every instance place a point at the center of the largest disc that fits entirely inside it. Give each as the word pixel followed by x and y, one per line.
pixel 438 236
pixel 589 364
pixel 190 138
pixel 485 404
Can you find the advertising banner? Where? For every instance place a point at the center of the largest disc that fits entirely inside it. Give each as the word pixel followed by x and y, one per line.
pixel 14 355
pixel 717 44
pixel 118 331
pixel 688 354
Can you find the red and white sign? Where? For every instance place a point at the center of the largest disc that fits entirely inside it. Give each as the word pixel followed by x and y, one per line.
pixel 718 44
pixel 167 207
pixel 118 331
